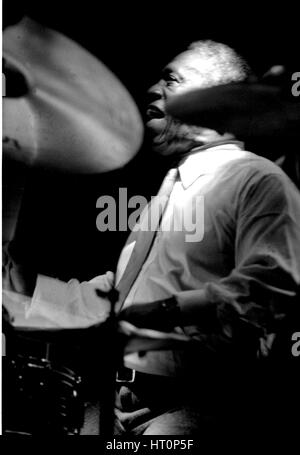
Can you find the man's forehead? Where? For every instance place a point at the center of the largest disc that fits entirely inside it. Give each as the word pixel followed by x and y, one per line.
pixel 189 60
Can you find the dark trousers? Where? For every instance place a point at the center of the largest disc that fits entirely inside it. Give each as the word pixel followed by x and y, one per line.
pixel 155 405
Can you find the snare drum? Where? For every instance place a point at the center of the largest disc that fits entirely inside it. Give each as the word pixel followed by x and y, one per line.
pixel 40 397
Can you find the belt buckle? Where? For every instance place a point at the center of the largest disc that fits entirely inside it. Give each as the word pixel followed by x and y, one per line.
pixel 125 375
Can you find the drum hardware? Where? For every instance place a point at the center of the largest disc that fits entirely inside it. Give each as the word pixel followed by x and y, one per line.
pixel 41 398
pixel 56 392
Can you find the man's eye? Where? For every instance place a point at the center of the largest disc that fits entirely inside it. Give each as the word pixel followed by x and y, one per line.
pixel 171 81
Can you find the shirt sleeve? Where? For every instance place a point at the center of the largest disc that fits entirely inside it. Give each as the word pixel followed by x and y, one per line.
pixel 262 287
pixel 16 277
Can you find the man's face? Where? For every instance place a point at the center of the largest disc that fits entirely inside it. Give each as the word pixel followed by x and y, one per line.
pixel 186 72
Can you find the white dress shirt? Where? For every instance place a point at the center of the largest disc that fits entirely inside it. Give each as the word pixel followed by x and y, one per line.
pixel 243 256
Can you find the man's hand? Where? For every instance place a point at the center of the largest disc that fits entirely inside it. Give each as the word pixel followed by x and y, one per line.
pixel 159 315
pixel 104 283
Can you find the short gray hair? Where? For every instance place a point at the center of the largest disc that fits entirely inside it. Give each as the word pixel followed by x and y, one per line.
pixel 225 65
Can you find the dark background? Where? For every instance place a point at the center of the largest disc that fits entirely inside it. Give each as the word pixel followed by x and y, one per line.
pixel 57 232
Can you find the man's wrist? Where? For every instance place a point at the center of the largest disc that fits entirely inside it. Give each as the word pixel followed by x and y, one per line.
pixel 170 311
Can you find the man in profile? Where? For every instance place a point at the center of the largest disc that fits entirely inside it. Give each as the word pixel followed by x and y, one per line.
pixel 226 289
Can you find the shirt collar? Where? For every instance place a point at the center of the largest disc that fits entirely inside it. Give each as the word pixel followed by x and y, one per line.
pixel 206 159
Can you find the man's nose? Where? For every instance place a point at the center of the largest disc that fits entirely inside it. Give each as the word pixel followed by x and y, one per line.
pixel 155 93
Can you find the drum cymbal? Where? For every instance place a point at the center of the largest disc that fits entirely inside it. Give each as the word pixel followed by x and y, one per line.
pixel 76 116
pixel 255 110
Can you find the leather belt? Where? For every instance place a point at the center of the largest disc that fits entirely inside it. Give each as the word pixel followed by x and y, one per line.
pixel 129 376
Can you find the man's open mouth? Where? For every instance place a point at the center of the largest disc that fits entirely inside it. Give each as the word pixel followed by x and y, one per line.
pixel 154 112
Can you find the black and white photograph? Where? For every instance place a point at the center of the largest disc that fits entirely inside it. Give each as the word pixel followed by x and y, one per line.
pixel 150 222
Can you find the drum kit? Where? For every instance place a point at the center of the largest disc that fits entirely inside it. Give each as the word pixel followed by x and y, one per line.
pixel 49 373
pixel 65 110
